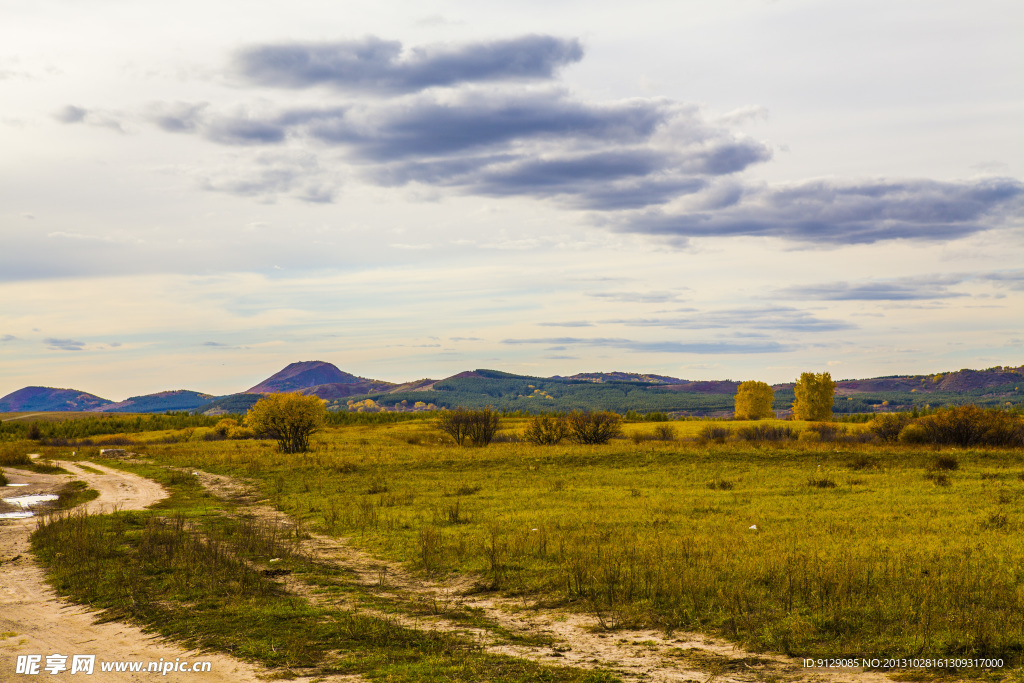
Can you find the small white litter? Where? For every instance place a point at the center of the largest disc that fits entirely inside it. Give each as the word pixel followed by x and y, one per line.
pixel 752 527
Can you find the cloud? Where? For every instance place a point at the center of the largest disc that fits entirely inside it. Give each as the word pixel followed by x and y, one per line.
pixel 568 323
pixel 542 144
pixel 700 347
pixel 70 114
pixel 637 297
pixel 8 338
pixel 898 289
pixel 847 212
pixel 177 117
pixel 914 288
pixel 1014 279
pixel 380 66
pixel 774 318
pixel 63 344
pixel 267 175
pixel 461 117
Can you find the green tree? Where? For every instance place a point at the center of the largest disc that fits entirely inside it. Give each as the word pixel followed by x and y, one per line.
pixel 754 401
pixel 289 418
pixel 814 396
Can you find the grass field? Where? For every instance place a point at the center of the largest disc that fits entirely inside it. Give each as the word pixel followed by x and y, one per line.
pixel 858 550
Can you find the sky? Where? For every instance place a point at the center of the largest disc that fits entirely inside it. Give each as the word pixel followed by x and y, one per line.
pixel 195 194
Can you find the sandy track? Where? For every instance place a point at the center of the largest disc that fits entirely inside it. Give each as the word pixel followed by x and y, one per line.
pixel 33 621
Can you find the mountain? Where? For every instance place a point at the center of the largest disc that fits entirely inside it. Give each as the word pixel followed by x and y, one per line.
pixel 161 402
pixel 303 375
pixel 619 391
pixel 622 377
pixel 49 399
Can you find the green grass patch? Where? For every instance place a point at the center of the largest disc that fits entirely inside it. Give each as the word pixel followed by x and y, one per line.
pixel 198 576
pixel 856 552
pixel 74 493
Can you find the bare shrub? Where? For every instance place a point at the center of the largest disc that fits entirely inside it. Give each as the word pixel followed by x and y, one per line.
pixel 715 433
pixel 828 431
pixel 766 433
pixel 479 427
pixel 594 427
pixel 665 433
pixel 547 429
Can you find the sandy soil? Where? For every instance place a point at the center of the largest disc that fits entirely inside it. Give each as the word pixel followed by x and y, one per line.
pixel 33 621
pixel 579 639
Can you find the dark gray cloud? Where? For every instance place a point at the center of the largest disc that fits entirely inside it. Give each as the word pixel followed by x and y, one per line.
pixel 63 344
pixel 537 144
pixel 429 126
pixel 647 166
pixel 773 318
pixel 828 212
pixel 698 347
pixel 375 65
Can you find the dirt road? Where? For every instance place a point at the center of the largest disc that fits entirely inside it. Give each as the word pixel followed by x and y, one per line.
pixel 33 621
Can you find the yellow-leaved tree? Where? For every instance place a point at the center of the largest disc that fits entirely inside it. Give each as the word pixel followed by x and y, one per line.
pixel 754 401
pixel 289 418
pixel 814 396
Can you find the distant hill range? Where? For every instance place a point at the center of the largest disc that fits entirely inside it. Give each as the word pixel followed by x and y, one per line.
pixel 618 391
pixel 48 399
pixel 160 402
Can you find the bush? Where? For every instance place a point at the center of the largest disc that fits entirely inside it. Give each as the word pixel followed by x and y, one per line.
pixel 968 426
pixel 665 433
pixel 889 425
pixel 547 429
pixel 810 436
pixel 913 433
pixel 766 433
pixel 478 426
pixel 715 433
pixel 241 433
pixel 224 426
pixel 594 427
pixel 289 418
pixel 827 431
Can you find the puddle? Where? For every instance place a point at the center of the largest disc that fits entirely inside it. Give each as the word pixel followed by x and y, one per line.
pixel 16 515
pixel 28 501
pixel 25 502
